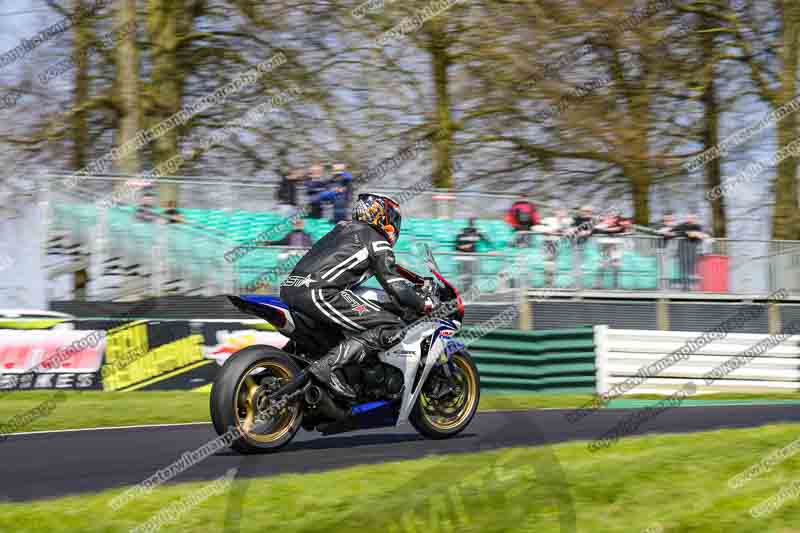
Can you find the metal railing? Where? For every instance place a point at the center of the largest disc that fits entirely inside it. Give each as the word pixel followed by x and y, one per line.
pixel 599 263
pixel 188 258
pixel 650 263
pixel 639 263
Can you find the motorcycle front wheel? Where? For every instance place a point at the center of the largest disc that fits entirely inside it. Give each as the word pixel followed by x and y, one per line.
pixel 239 398
pixel 447 416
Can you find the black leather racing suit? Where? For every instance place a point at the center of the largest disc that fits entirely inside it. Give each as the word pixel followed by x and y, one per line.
pixel 320 284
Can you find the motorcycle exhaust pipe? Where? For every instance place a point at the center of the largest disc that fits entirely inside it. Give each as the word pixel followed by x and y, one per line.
pixel 328 408
pixel 297 383
pixel 313 395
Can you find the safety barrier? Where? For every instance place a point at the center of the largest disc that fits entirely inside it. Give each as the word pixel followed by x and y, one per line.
pixel 662 362
pixel 512 361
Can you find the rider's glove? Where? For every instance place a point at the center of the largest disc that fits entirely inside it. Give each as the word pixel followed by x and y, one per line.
pixel 428 306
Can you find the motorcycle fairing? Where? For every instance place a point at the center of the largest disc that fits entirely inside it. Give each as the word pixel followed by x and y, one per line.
pixel 270 308
pixel 407 357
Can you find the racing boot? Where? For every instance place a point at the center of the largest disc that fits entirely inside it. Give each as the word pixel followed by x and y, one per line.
pixel 327 369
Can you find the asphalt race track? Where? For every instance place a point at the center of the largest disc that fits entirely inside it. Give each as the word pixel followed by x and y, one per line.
pixel 54 464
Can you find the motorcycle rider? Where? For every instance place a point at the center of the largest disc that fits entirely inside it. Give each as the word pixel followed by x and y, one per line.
pixel 348 255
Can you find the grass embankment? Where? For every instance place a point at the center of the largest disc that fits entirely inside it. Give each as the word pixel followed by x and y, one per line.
pixel 670 483
pixel 106 409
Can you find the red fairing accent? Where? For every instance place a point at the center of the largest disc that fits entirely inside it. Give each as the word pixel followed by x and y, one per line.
pixel 282 322
pixel 455 291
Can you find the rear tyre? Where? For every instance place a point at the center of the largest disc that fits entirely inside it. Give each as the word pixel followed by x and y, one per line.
pixel 446 417
pixel 239 394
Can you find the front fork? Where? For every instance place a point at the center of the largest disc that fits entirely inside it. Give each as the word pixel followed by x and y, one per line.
pixel 442 386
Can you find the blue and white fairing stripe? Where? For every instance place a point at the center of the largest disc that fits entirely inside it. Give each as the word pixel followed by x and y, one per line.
pixel 447 329
pixel 277 305
pixel 273 301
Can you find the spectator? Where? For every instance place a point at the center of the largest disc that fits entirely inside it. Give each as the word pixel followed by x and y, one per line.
pixel 665 231
pixel 582 228
pixel 297 238
pixel 555 225
pixel 467 243
pixel 171 214
pixel 288 192
pixel 691 234
pixel 144 212
pixel 316 187
pixel 610 224
pixel 522 216
pixel 611 248
pixel 553 228
pixel 343 192
pixel 582 225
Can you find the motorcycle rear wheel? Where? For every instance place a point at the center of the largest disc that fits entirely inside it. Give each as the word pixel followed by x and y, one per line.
pixel 239 394
pixel 442 419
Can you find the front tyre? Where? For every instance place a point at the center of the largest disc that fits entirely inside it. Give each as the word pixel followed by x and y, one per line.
pixel 239 398
pixel 442 417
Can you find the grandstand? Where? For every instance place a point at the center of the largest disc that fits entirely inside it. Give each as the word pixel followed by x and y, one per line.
pixel 128 259
pixel 192 253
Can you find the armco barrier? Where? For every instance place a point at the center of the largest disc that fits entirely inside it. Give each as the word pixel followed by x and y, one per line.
pixel 739 362
pixel 512 361
pixel 158 354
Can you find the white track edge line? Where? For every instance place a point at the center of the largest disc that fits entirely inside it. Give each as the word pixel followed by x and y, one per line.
pixel 105 428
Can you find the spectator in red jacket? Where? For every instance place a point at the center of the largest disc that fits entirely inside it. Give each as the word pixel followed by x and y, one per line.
pixel 522 217
pixel 523 214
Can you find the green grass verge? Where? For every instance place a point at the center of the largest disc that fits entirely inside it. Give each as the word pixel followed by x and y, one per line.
pixel 670 483
pixel 726 396
pixel 100 409
pixel 104 409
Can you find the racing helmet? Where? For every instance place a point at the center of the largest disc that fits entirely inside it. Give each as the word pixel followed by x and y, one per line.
pixel 380 212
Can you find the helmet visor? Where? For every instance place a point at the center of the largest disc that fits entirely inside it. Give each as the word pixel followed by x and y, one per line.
pixel 380 211
pixel 393 217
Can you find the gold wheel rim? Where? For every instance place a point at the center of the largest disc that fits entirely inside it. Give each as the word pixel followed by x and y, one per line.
pixel 469 388
pixel 245 394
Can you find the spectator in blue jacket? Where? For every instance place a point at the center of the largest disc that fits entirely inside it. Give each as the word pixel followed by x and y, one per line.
pixel 339 192
pixel 343 183
pixel 316 189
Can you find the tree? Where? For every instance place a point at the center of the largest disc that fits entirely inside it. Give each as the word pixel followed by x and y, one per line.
pixel 601 107
pixel 128 100
pixel 766 33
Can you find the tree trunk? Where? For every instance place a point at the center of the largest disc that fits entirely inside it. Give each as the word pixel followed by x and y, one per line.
pixel 128 84
pixel 711 112
pixel 167 79
pixel 785 217
pixel 443 140
pixel 641 198
pixel 79 120
pixel 637 170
